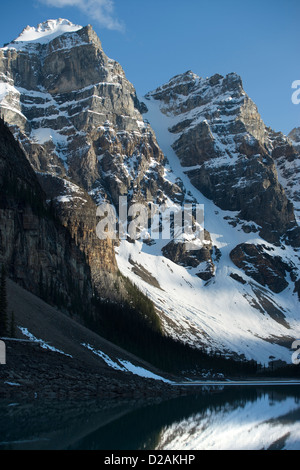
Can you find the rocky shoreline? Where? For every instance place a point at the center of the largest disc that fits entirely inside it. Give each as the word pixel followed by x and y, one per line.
pixel 34 373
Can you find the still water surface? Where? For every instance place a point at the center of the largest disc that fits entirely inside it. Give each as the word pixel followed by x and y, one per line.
pixel 237 418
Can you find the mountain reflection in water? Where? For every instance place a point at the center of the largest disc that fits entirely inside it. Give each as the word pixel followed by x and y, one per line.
pixel 237 418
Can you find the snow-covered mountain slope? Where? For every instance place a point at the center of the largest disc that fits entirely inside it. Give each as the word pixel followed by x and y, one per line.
pixel 225 148
pixel 231 312
pixel 223 315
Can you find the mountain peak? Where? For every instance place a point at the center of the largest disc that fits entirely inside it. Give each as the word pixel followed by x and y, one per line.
pixel 294 135
pixel 45 32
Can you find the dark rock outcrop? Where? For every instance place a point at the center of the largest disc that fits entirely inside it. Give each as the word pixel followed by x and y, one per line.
pixel 257 263
pixel 179 253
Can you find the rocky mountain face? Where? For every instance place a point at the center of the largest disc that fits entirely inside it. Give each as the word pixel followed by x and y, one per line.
pixel 79 121
pixel 286 154
pixel 36 250
pixel 227 151
pixel 77 115
pixel 294 136
pixel 90 139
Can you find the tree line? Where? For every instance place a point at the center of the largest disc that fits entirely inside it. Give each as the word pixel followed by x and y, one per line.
pixel 7 322
pixel 135 326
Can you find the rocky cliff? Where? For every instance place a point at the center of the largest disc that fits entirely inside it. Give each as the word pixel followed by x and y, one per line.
pixel 76 113
pixel 294 136
pixel 36 250
pixel 286 154
pixel 80 124
pixel 227 151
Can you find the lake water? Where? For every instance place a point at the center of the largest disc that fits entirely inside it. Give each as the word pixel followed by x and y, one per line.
pixel 221 418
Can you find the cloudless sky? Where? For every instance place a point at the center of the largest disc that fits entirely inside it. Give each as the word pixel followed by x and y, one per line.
pixel 258 39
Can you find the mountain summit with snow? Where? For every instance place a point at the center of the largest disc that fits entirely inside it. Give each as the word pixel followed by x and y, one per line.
pixel 44 32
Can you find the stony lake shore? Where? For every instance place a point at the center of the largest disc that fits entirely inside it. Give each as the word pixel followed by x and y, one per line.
pixel 32 372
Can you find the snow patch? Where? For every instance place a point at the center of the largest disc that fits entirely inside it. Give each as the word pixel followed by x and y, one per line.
pixel 42 343
pixel 125 366
pixel 12 384
pixel 45 134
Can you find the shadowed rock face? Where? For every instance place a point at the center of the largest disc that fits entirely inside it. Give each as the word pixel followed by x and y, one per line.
pixel 228 152
pixel 77 213
pixel 37 251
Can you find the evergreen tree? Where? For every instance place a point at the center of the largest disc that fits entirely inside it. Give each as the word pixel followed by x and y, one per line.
pixel 12 325
pixel 3 303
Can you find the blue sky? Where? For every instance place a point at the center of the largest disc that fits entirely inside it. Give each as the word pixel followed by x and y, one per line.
pixel 157 39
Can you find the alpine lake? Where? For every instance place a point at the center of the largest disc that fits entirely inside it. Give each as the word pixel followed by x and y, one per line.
pixel 217 417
